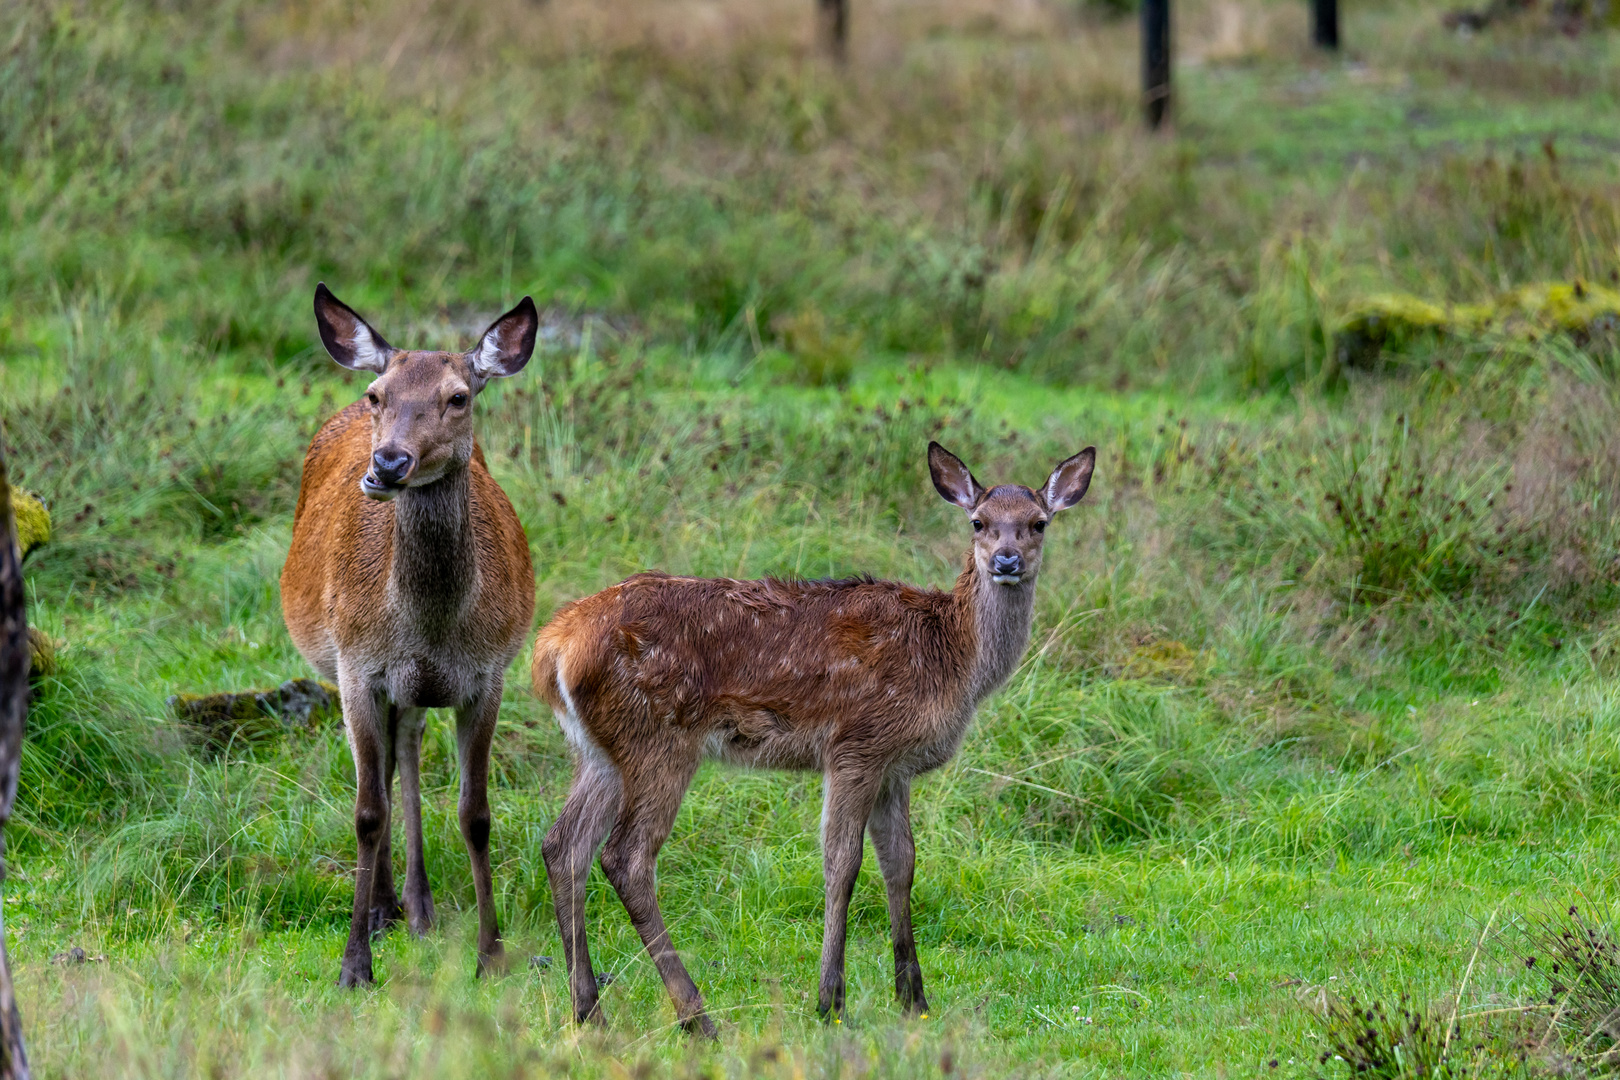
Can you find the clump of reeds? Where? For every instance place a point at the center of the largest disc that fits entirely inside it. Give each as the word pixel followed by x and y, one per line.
pixel 1566 1024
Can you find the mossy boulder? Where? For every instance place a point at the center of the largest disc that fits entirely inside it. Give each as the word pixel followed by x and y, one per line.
pixel 1168 661
pixel 1391 322
pixel 41 654
pixel 33 520
pixel 216 721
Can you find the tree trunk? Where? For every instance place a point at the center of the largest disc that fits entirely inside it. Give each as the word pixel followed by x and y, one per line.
pixel 13 709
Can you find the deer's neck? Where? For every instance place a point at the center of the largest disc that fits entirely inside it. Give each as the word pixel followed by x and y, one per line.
pixel 1001 616
pixel 435 558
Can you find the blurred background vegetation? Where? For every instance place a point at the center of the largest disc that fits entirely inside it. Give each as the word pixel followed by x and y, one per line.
pixel 1323 668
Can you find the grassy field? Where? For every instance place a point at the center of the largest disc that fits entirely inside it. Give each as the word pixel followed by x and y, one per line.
pixel 1321 702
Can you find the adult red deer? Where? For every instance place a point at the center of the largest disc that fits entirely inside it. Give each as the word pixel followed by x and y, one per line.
pixel 409 585
pixel 868 682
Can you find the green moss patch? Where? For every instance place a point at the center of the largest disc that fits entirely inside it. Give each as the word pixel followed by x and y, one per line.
pixel 1390 322
pixel 216 721
pixel 41 654
pixel 33 520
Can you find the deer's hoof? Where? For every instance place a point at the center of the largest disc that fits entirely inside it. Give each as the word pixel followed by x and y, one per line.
pixel 383 917
pixel 700 1026
pixel 492 965
pixel 355 974
pixel 911 1001
pixel 419 917
pixel 588 1008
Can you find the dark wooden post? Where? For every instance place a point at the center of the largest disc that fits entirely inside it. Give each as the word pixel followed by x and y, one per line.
pixel 13 707
pixel 1325 23
pixel 1156 60
pixel 832 24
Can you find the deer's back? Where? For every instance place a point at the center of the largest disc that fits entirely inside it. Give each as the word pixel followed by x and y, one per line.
pixel 765 672
pixel 334 585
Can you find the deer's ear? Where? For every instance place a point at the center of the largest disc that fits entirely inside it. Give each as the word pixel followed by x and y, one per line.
pixel 508 343
pixel 348 337
pixel 952 479
pixel 1069 481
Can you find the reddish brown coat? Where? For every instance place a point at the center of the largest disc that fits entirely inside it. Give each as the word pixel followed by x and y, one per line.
pixel 870 682
pixel 337 570
pixel 772 673
pixel 408 583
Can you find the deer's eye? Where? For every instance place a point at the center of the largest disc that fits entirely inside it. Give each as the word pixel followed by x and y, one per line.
pixel 1038 526
pixel 373 398
pixel 458 400
pixel 978 526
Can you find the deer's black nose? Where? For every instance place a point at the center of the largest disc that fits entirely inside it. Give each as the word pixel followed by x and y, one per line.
pixel 391 466
pixel 1007 565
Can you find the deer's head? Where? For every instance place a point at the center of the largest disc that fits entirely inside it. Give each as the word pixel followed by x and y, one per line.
pixel 1009 521
pixel 421 402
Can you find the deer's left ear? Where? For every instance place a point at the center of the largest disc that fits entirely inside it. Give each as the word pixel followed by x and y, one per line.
pixel 509 342
pixel 1069 481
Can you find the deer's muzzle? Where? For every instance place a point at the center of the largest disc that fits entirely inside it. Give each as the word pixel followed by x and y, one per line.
pixel 1006 569
pixel 391 469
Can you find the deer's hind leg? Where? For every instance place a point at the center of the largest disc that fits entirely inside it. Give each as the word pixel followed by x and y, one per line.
pixel 569 850
pixel 654 785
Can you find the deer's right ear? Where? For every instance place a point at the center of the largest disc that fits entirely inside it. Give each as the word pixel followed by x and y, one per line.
pixel 952 479
pixel 348 337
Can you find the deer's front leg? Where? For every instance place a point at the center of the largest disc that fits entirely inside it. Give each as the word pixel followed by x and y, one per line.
pixel 363 721
pixel 475 730
pixel 890 826
pixel 846 804
pixel 408 751
pixel 385 909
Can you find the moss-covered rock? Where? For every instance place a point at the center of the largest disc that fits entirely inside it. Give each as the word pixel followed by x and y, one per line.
pixel 33 520
pixel 216 721
pixel 1390 322
pixel 1171 661
pixel 41 654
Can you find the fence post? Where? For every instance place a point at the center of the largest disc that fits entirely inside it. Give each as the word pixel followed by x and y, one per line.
pixel 1325 23
pixel 832 24
pixel 1155 60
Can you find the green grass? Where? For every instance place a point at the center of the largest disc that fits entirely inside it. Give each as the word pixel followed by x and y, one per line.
pixel 1322 690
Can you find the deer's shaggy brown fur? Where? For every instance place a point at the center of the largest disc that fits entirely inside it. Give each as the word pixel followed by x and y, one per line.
pixel 869 682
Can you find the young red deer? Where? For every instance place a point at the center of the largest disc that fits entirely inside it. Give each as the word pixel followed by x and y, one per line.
pixel 868 682
pixel 409 585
